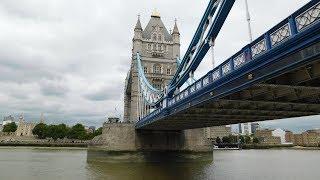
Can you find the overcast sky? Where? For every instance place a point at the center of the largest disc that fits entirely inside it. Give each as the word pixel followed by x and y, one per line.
pixel 69 59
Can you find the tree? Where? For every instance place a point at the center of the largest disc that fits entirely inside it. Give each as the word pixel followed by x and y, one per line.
pixel 226 139
pixel 218 140
pixel 247 139
pixel 256 140
pixel 61 131
pixel 40 130
pixel 77 132
pixel 98 131
pixel 241 139
pixel 57 131
pixel 10 127
pixel 233 139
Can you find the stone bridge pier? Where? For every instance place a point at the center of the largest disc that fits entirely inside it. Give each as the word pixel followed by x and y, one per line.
pixel 121 142
pixel 124 137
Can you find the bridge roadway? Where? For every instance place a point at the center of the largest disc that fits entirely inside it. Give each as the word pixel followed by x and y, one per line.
pixel 277 76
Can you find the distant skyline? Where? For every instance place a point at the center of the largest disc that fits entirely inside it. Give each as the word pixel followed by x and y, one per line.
pixel 69 59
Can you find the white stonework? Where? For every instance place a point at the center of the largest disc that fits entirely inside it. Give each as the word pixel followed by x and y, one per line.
pixel 158 50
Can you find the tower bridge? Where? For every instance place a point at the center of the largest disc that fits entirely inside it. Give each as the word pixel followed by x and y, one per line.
pixel 275 76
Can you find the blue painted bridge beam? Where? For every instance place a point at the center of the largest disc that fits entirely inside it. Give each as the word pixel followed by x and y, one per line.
pixel 211 22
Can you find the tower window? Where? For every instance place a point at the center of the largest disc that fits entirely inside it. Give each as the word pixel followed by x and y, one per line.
pixel 159 47
pixel 169 71
pixel 154 38
pixel 157 69
pixel 145 70
pixel 154 47
pixel 159 37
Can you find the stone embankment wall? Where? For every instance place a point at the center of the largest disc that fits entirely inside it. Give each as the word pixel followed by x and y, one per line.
pixel 10 139
pixel 124 137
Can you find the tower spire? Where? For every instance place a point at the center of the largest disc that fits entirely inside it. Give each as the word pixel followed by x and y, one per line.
pixel 42 118
pixel 138 25
pixel 175 28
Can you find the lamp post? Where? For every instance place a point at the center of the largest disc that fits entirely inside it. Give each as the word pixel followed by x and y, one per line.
pixel 249 21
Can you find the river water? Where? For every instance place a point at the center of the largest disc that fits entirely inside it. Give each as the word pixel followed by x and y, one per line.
pixel 29 163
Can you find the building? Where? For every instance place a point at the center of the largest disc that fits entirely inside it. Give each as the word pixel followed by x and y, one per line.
pixel 289 137
pixel 298 140
pixel 280 133
pixel 311 138
pixel 24 128
pixel 254 127
pixel 245 128
pixel 158 49
pixel 266 137
pixel 212 133
pixel 307 138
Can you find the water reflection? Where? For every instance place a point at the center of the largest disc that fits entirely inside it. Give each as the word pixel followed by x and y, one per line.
pixel 149 166
pixel 156 171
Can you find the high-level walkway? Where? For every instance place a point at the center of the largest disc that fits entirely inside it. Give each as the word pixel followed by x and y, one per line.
pixel 276 76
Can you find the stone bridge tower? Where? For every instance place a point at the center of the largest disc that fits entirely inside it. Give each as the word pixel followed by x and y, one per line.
pixel 158 49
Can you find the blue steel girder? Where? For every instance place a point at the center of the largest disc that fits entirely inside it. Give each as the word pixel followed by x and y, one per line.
pixel 199 46
pixel 264 58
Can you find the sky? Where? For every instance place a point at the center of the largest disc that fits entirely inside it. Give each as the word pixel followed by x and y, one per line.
pixel 69 59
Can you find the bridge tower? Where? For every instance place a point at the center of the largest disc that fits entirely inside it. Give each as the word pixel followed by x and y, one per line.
pixel 159 50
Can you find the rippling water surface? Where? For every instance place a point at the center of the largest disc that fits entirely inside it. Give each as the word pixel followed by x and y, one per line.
pixel 67 164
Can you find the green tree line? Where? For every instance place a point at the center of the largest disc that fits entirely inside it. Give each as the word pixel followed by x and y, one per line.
pixel 61 131
pixel 235 139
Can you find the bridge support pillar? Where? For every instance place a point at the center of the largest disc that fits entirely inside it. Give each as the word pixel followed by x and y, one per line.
pixel 124 137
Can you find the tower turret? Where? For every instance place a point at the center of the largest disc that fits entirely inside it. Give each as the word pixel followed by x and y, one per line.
pixel 137 39
pixel 176 39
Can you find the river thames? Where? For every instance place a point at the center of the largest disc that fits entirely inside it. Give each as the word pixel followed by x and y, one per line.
pixel 30 163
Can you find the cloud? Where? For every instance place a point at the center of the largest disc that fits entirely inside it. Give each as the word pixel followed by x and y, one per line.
pixel 54 88
pixel 105 93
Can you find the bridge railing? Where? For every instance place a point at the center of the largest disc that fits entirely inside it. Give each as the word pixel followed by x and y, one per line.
pixel 301 20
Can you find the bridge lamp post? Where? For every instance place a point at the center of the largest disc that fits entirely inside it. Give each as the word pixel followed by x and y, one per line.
pixel 211 44
pixel 248 20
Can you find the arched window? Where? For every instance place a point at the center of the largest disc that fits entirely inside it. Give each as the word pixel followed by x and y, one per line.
pixel 154 47
pixel 159 47
pixel 145 70
pixel 159 37
pixel 149 46
pixel 165 47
